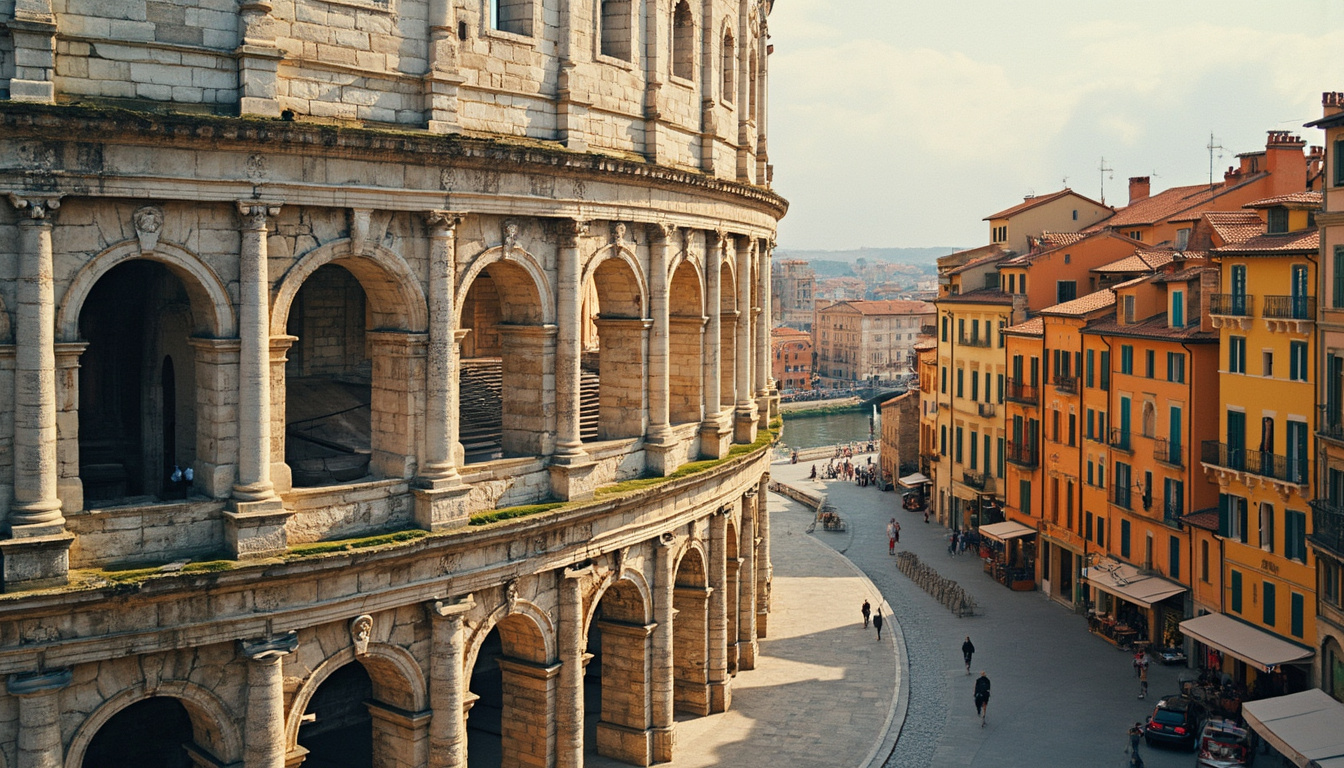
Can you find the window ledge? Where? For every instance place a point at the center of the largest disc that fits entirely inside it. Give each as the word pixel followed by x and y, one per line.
pixel 681 82
pixel 510 37
pixel 615 61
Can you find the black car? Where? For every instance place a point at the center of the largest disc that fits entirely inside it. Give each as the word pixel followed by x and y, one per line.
pixel 1175 722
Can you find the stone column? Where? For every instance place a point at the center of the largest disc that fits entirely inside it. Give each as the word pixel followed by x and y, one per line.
pixel 38 551
pixel 448 683
pixel 264 723
pixel 568 445
pixel 763 565
pixel 282 478
pixel 443 79
pixel 33 28
pixel 659 437
pixel 713 432
pixel 39 717
pixel 216 415
pixel 745 408
pixel 746 600
pixel 662 684
pixel 255 526
pixel 764 381
pixel 69 487
pixel 720 690
pixel 572 651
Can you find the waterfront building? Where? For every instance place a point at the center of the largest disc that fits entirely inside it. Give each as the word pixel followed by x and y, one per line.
pixel 1265 312
pixel 792 354
pixel 861 343
pixel 322 324
pixel 791 294
pixel 898 447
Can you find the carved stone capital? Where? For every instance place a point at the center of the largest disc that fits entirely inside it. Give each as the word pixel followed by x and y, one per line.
pixel 255 213
pixel 663 232
pixel 572 229
pixel 35 207
pixel 31 683
pixel 442 223
pixel 273 647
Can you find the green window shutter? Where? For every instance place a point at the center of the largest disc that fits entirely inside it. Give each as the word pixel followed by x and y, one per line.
pixel 1090 361
pixel 1268 603
pixel 1337 297
pixel 1235 589
pixel 1298 609
pixel 1224 515
pixel 1174 554
pixel 1124 538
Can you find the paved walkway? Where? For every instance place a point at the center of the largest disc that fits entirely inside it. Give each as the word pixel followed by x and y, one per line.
pixel 1061 696
pixel 823 694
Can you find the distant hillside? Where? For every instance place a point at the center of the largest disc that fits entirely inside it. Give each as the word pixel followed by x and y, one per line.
pixel 922 256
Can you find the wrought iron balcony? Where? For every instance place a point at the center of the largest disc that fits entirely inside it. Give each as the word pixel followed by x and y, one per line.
pixel 1171 514
pixel 1122 496
pixel 987 410
pixel 1290 307
pixel 1022 454
pixel 981 481
pixel 1327 526
pixel 975 341
pixel 1231 304
pixel 1330 422
pixel 1021 393
pixel 1121 439
pixel 1261 463
pixel 1168 452
pixel 1067 384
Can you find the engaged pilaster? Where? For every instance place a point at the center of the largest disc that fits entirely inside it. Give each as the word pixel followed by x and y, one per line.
pixel 264 732
pixel 744 421
pixel 258 60
pixel 570 464
pixel 764 382
pixel 714 434
pixel 659 441
pixel 443 79
pixel 746 600
pixel 573 658
pixel 764 568
pixel 33 29
pixel 39 717
pixel 662 683
pixel 720 688
pixel 447 683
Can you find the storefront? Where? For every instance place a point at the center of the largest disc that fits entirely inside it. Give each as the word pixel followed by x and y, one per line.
pixel 1263 663
pixel 1009 550
pixel 1133 608
pixel 1059 566
pixel 1307 728
pixel 917 486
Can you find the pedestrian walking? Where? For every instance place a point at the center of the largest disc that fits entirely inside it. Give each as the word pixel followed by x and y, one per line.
pixel 893 536
pixel 1135 736
pixel 897 534
pixel 1140 661
pixel 877 623
pixel 967 648
pixel 952 545
pixel 1143 681
pixel 926 515
pixel 866 609
pixel 982 698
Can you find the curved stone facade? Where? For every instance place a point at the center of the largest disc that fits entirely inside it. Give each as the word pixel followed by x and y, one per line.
pixel 292 291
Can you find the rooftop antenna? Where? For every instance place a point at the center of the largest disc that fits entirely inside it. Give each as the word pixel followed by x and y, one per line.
pixel 1213 145
pixel 1065 182
pixel 1104 170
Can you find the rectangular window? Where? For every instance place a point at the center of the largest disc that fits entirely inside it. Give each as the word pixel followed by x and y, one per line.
pixel 1091 424
pixel 1236 354
pixel 961 329
pixel 1091 473
pixel 975 386
pixel 1176 367
pixel 1267 363
pixel 1024 496
pixel 1090 360
pixel 945 324
pixel 1267 527
pixel 1267 601
pixel 1065 290
pixel 1295 535
pixel 1000 459
pixel 1277 221
pixel 961 382
pixel 1101 531
pixel 1178 309
pixel 1232 517
pixel 1122 485
pixel 956 448
pixel 1204 561
pixel 1297 360
pixel 1338 159
pixel 942 440
pixel 1337 294
pixel 1000 387
pixel 1149 360
pixel 943 387
pixel 1174 557
pixel 975 449
pixel 1126 359
pixel 1128 308
pixel 1073 429
pixel 1124 538
pixel 1105 370
pixel 1087 526
pixel 1234 587
pixel 1296 601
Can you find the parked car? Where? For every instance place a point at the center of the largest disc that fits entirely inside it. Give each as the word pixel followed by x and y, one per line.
pixel 1224 744
pixel 1170 655
pixel 1175 722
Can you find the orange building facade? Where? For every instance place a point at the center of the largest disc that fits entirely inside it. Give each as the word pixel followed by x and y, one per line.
pixel 791 365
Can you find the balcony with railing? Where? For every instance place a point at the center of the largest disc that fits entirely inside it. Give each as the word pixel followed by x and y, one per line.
pixel 1330 422
pixel 1067 384
pixel 981 481
pixel 1021 393
pixel 1122 496
pixel 1167 452
pixel 1247 466
pixel 1122 439
pixel 1231 309
pixel 1172 514
pixel 1290 314
pixel 987 410
pixel 1327 526
pixel 975 341
pixel 1022 454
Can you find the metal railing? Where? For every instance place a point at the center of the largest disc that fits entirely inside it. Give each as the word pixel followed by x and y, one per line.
pixel 1327 526
pixel 1122 496
pixel 1290 307
pixel 1168 452
pixel 1288 469
pixel 1121 439
pixel 1068 384
pixel 1171 514
pixel 981 481
pixel 1022 454
pixel 987 409
pixel 1330 422
pixel 1231 304
pixel 975 341
pixel 1021 393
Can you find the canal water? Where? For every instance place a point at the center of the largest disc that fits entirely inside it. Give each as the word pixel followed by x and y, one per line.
pixel 802 431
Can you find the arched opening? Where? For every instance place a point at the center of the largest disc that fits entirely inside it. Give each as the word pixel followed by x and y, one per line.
pixel 614 314
pixel 727 337
pixel 683 41
pixel 151 733
pixel 507 722
pixel 513 16
pixel 133 428
pixel 329 381
pixel 734 589
pixel 617 678
pixel 505 342
pixel 729 66
pixel 686 331
pixel 616 28
pixel 690 636
pixel 337 729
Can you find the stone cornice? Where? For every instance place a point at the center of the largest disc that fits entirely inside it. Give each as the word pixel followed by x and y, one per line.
pixel 60 123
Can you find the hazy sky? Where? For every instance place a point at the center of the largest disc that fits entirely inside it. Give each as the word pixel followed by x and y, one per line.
pixel 900 123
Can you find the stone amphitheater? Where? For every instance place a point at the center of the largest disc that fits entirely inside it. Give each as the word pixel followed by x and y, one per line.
pixel 389 380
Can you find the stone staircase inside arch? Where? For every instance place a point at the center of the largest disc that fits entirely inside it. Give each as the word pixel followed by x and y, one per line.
pixel 480 403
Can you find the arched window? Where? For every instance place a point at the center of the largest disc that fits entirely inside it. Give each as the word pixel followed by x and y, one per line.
pixel 683 41
pixel 512 16
pixel 729 66
pixel 616 29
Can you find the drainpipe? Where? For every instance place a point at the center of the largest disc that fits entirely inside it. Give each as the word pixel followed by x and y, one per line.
pixel 1189 531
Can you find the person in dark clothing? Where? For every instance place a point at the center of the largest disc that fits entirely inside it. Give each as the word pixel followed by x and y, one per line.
pixel 866 609
pixel 967 648
pixel 877 623
pixel 982 698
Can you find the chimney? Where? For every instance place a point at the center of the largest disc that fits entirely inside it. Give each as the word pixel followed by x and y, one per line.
pixel 1139 188
pixel 1286 162
pixel 1332 103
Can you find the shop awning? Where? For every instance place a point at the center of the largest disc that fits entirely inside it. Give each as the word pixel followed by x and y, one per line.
pixel 1250 644
pixel 1306 727
pixel 911 481
pixel 1128 583
pixel 1006 531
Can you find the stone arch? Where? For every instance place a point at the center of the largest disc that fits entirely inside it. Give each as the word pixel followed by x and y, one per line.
pixel 619 637
pixel 214 727
pixel 516 256
pixel 509 651
pixel 385 664
pixel 615 307
pixel 690 631
pixel 397 301
pixel 626 579
pixel 686 331
pixel 622 253
pixel 733 587
pixel 729 318
pixel 212 309
pixel 524 609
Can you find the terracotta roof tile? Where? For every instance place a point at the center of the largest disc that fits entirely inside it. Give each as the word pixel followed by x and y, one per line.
pixel 1204 518
pixel 784 331
pixel 1304 200
pixel 1032 202
pixel 1235 226
pixel 1308 241
pixel 981 261
pixel 1153 328
pixel 925 345
pixel 1033 327
pixel 1183 275
pixel 892 307
pixel 1027 259
pixel 1171 202
pixel 1083 305
pixel 981 296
